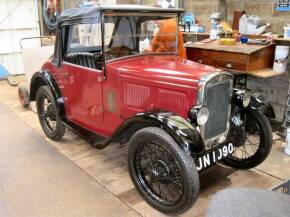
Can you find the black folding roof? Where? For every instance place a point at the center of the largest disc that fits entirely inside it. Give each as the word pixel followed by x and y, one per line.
pixel 89 12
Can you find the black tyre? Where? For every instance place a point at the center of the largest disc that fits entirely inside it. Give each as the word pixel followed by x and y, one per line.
pixel 162 172
pixel 251 135
pixel 23 95
pixel 48 114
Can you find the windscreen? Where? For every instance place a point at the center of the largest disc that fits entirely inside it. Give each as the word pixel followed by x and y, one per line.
pixel 140 34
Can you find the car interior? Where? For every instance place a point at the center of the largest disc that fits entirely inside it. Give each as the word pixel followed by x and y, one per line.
pixel 95 60
pixel 123 41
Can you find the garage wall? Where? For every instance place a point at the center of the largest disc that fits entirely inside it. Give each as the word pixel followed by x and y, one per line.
pixel 18 19
pixel 202 9
pixel 264 8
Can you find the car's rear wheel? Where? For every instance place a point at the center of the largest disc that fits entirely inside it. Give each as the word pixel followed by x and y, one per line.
pixel 162 172
pixel 251 135
pixel 23 95
pixel 48 114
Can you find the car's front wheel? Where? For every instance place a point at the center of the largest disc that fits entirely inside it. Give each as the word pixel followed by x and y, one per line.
pixel 48 114
pixel 251 135
pixel 162 172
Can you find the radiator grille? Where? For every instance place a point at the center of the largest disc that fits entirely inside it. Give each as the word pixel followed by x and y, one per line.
pixel 217 100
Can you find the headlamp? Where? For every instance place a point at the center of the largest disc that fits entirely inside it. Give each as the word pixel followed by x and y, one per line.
pixel 199 115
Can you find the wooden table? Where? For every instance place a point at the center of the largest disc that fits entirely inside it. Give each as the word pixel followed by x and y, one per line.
pixel 241 60
pixel 235 58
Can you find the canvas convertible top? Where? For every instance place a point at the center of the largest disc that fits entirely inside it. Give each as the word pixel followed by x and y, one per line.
pixel 95 12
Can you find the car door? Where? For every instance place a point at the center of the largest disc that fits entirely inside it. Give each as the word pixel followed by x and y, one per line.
pixel 81 72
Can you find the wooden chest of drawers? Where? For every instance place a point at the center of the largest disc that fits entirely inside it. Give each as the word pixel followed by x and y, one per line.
pixel 236 58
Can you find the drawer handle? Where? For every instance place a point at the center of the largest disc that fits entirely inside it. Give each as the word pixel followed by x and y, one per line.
pixel 200 61
pixel 229 66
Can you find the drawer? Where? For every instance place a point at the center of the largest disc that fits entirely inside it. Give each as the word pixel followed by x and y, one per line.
pixel 219 59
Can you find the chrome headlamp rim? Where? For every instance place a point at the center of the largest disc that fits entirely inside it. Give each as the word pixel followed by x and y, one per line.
pixel 199 115
pixel 202 116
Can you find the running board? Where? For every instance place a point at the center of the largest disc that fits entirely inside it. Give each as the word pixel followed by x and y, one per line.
pixel 87 135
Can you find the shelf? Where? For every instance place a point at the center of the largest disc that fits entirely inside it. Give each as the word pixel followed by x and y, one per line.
pixel 265 73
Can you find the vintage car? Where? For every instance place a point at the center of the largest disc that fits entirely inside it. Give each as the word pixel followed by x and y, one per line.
pixel 178 117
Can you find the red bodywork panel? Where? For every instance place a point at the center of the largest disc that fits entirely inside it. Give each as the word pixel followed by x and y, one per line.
pixel 134 84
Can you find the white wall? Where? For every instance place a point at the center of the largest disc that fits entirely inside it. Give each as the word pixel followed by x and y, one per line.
pixel 18 19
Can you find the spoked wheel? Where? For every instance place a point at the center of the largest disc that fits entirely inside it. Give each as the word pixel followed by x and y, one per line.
pixel 251 135
pixel 162 172
pixel 48 114
pixel 51 11
pixel 159 174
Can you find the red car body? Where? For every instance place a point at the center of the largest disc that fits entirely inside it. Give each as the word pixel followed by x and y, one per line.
pixel 140 84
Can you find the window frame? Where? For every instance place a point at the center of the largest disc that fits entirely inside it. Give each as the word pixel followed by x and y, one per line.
pixel 127 14
pixel 64 38
pixel 61 48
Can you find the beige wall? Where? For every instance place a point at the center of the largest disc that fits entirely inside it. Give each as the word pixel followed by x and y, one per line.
pixel 264 8
pixel 202 9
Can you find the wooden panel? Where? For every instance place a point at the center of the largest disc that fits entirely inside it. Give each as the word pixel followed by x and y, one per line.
pixel 236 20
pixel 262 59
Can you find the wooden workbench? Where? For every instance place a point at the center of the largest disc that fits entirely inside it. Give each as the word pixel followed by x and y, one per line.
pixel 239 58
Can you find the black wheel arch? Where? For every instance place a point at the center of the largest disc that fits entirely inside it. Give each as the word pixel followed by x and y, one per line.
pixel 257 102
pixel 42 78
pixel 176 126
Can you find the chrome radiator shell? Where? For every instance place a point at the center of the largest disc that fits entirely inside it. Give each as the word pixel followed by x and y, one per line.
pixel 215 92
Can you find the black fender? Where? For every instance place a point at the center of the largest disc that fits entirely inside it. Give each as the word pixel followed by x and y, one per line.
pixel 257 102
pixel 180 129
pixel 42 78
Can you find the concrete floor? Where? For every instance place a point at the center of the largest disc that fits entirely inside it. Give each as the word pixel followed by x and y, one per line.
pixel 36 180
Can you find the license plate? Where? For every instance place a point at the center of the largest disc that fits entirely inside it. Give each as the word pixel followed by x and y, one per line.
pixel 213 156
